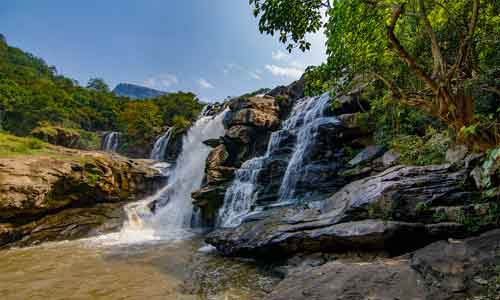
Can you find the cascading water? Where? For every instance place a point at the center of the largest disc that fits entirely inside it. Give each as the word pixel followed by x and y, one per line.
pixel 168 213
pixel 111 141
pixel 307 115
pixel 305 120
pixel 160 146
pixel 240 196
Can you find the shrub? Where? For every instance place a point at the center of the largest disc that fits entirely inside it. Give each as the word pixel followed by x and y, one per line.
pixel 427 150
pixel 12 145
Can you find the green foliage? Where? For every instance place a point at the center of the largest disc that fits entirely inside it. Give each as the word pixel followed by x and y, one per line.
pixel 409 66
pixel 439 216
pixel 489 174
pixel 182 104
pixel 88 140
pixel 290 19
pixel 33 95
pixel 391 119
pixel 317 80
pixel 180 122
pixel 140 121
pixel 474 221
pixel 12 145
pixel 31 92
pixel 98 84
pixel 422 208
pixel 427 150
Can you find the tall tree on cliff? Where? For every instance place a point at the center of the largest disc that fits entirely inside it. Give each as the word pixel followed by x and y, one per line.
pixel 435 55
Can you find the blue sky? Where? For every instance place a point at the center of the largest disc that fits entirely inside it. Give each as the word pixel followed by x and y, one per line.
pixel 210 47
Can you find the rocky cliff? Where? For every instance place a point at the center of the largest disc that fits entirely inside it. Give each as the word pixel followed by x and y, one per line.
pixel 311 207
pixel 249 124
pixel 67 194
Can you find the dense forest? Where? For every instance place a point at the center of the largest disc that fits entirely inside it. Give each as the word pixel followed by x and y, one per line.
pixel 35 99
pixel 424 61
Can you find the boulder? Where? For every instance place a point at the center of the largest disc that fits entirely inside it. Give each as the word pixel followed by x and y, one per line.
pixel 450 270
pixel 397 192
pixel 253 111
pixel 281 234
pixel 390 158
pixel 456 153
pixel 366 155
pixel 36 187
pixel 254 117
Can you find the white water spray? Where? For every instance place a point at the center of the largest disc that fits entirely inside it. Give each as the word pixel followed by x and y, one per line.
pixel 306 116
pixel 111 141
pixel 168 213
pixel 160 146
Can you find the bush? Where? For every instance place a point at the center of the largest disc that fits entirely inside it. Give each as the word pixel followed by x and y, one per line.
pixel 12 145
pixel 427 150
pixel 180 122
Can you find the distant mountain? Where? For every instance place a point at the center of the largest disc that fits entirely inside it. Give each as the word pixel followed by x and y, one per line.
pixel 136 91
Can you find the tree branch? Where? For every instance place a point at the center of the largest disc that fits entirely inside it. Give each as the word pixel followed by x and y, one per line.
pixel 466 43
pixel 403 54
pixel 439 64
pixel 492 89
pixel 415 101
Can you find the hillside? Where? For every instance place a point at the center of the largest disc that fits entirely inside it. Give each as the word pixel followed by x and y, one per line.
pixel 36 100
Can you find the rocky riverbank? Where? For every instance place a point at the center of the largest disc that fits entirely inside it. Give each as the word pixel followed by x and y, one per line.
pixel 68 194
pixel 351 198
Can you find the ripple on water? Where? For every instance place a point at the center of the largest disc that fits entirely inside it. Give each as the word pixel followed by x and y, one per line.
pixel 102 268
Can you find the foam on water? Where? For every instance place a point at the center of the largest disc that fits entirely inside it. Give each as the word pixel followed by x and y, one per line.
pixel 167 214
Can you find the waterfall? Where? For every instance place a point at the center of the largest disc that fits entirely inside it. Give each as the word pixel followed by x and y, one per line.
pixel 111 141
pixel 307 115
pixel 168 213
pixel 160 146
pixel 240 196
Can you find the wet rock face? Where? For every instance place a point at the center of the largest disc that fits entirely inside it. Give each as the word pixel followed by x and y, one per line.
pixel 34 188
pixel 248 123
pixel 281 233
pixel 397 193
pixel 381 212
pixel 443 270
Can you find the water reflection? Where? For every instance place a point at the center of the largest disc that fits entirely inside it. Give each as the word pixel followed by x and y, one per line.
pixel 173 270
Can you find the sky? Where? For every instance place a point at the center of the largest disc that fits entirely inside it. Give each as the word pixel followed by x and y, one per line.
pixel 210 47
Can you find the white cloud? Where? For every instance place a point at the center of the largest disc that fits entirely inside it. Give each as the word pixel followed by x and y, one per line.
pixel 205 84
pixel 290 72
pixel 254 75
pixel 230 67
pixel 297 64
pixel 279 55
pixel 161 81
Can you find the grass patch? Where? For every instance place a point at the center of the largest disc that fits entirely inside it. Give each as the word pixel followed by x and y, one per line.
pixel 11 145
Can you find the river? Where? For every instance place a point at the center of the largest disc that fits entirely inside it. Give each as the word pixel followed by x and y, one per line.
pixel 97 269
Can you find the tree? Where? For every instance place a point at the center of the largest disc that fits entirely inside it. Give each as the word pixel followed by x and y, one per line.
pixel 291 19
pixel 140 120
pixel 98 84
pixel 430 54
